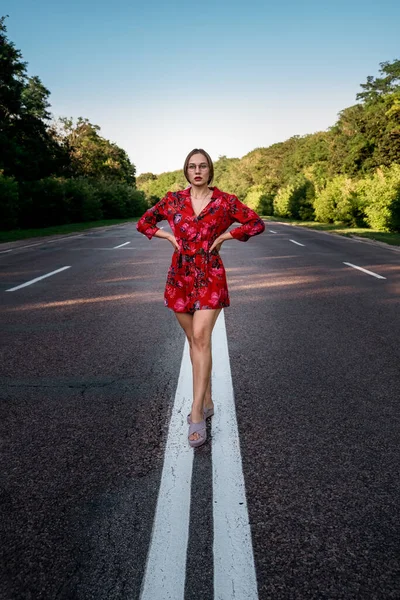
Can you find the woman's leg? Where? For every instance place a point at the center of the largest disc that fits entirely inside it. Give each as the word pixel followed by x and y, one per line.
pixel 186 322
pixel 202 326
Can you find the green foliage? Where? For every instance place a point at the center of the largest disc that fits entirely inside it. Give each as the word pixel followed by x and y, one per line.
pixel 119 200
pixel 366 137
pixel 143 179
pixel 381 196
pixel 377 87
pixel 13 74
pixel 58 201
pixel 58 174
pixel 282 201
pixel 155 187
pixel 253 196
pixel 43 203
pixel 295 200
pixel 28 150
pixel 339 202
pixel 304 152
pixel 240 175
pixel 34 98
pixel 92 155
pixel 224 173
pixel 67 172
pixel 9 202
pixel 82 200
pixel 260 199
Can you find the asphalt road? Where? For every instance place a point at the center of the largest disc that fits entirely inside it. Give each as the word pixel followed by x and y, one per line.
pixel 90 360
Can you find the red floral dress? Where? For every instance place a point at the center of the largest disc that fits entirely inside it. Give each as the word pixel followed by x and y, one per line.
pixel 196 278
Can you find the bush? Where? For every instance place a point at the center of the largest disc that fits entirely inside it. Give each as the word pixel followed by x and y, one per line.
pixel 266 205
pixel 120 200
pixel 9 203
pixel 82 201
pixel 381 195
pixel 295 200
pixel 258 199
pixel 43 203
pixel 282 201
pixel 58 201
pixel 339 202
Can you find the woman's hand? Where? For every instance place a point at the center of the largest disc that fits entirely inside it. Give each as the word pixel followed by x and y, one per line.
pixel 217 243
pixel 174 242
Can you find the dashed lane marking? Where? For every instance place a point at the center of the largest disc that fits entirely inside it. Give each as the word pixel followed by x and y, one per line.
pixel 298 243
pixel 18 287
pixel 364 270
pixel 121 245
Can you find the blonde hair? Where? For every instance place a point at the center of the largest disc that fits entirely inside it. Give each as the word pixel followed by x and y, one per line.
pixel 208 159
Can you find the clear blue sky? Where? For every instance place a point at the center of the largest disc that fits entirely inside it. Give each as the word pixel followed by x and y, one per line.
pixel 161 78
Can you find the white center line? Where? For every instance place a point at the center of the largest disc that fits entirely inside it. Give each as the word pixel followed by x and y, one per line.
pixel 364 270
pixel 120 246
pixel 165 574
pixel 234 570
pixel 18 287
pixel 298 243
pixel 271 231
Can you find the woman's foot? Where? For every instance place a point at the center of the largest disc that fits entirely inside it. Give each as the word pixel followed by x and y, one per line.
pixel 194 418
pixel 198 431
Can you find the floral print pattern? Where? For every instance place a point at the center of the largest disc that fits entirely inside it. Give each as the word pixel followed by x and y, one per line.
pixel 196 279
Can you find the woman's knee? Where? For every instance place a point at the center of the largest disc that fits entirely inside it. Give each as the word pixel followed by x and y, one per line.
pixel 201 339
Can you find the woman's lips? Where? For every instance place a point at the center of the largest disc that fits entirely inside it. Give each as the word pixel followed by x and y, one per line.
pixel 197 178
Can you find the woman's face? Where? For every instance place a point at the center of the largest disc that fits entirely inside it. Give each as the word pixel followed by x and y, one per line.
pixel 198 170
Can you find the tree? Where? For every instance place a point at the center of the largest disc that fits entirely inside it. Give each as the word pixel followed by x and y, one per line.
pixel 27 150
pixel 380 86
pixel 92 155
pixel 34 97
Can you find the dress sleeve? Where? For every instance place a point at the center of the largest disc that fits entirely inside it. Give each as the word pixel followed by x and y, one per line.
pixel 251 222
pixel 147 222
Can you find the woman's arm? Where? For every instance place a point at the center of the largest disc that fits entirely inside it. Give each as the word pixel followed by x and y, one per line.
pixel 251 222
pixel 155 214
pixel 241 213
pixel 160 233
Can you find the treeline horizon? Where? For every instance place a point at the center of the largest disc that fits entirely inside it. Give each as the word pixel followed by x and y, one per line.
pixel 347 174
pixel 62 172
pixel 55 172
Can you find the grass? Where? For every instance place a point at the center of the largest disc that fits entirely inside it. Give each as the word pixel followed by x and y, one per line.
pixel 22 234
pixel 342 229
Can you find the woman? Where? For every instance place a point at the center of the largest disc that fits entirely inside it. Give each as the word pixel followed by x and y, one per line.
pixel 196 288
